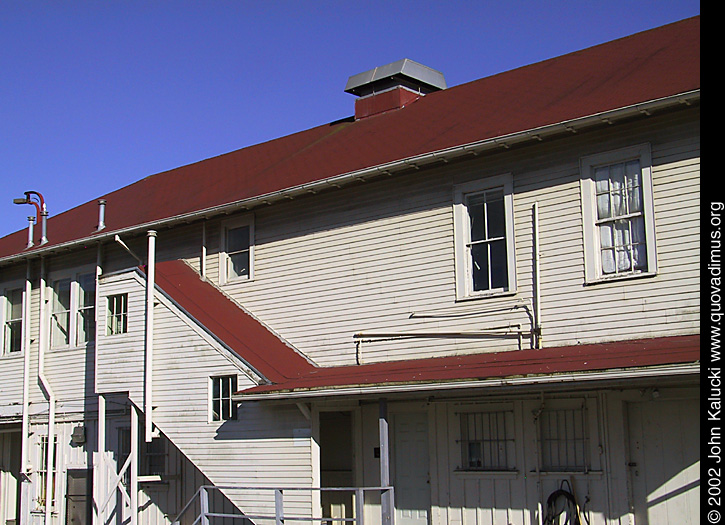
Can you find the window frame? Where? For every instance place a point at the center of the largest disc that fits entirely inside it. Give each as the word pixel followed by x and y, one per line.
pixel 593 271
pixel 462 236
pixel 509 415
pixel 5 318
pixel 225 275
pixel 234 411
pixel 123 315
pixel 74 312
pixel 587 411
pixel 42 473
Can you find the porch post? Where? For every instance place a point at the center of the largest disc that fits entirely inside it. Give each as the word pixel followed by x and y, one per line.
pixel 385 496
pixel 133 482
pixel 99 475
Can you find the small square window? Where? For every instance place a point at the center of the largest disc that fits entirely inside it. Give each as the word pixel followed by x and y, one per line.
pixel 117 314
pixel 222 406
pixel 487 441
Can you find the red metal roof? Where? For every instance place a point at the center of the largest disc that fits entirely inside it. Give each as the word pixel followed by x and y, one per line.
pixel 519 363
pixel 289 371
pixel 655 64
pixel 239 331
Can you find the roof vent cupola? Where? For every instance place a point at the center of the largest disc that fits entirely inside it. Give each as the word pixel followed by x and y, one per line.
pixel 392 86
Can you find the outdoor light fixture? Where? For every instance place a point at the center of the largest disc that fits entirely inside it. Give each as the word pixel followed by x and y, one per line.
pixel 37 200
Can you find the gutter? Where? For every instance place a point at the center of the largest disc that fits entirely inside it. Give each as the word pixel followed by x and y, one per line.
pixel 427 387
pixel 475 148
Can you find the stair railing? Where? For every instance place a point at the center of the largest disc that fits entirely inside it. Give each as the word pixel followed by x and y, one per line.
pixel 280 517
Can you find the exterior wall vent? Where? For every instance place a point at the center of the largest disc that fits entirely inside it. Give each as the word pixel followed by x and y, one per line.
pixel 392 86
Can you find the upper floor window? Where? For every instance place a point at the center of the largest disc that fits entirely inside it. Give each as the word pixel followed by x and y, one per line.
pixel 12 321
pixel 117 314
pixel 73 311
pixel 484 237
pixel 222 405
pixel 618 214
pixel 237 257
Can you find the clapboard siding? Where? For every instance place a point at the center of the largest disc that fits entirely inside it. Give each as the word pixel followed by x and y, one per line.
pixel 366 258
pixel 277 448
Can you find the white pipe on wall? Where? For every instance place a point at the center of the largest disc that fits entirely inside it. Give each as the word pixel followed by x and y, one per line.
pixel 150 283
pixel 24 447
pixel 50 395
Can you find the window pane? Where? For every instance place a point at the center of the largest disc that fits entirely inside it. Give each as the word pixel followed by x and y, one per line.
pixel 61 295
pixel 499 271
pixel 87 292
pixel 60 327
pixel 478 224
pixel 15 306
pixel 239 264
pixel 237 239
pixel 13 340
pixel 495 215
pixel 479 266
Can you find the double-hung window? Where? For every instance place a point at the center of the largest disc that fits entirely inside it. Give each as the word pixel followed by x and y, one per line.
pixel 565 432
pixel 12 321
pixel 73 311
pixel 618 217
pixel 484 237
pixel 237 254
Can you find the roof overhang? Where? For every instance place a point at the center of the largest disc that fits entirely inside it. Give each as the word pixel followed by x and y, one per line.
pixel 565 367
pixel 579 380
pixel 532 135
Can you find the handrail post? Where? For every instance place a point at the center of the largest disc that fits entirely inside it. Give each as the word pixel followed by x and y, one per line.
pixel 278 507
pixel 204 506
pixel 359 506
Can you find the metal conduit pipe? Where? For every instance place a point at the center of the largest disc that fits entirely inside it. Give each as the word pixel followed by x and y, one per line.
pixel 537 278
pixel 150 283
pixel 50 396
pixel 24 446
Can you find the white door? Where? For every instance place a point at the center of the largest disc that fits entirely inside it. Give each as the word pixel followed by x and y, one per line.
pixel 411 477
pixel 664 462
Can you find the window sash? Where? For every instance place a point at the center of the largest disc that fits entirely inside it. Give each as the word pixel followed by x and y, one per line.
pixel 13 326
pixel 222 406
pixel 117 314
pixel 618 220
pixel 42 471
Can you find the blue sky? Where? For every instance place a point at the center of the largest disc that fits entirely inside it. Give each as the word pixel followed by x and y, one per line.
pixel 95 95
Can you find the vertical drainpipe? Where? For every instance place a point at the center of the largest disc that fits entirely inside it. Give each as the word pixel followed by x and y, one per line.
pixel 50 395
pixel 202 263
pixel 98 465
pixel 25 443
pixel 537 279
pixel 150 282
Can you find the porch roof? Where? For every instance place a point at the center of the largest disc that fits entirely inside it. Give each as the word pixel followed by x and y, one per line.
pixel 658 356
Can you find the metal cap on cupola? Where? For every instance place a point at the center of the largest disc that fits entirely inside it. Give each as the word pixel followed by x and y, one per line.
pixel 392 86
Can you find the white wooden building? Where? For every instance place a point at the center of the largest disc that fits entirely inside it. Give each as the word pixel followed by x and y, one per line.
pixel 462 304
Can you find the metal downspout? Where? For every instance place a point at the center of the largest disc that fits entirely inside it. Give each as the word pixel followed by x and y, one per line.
pixel 50 396
pixel 537 279
pixel 150 282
